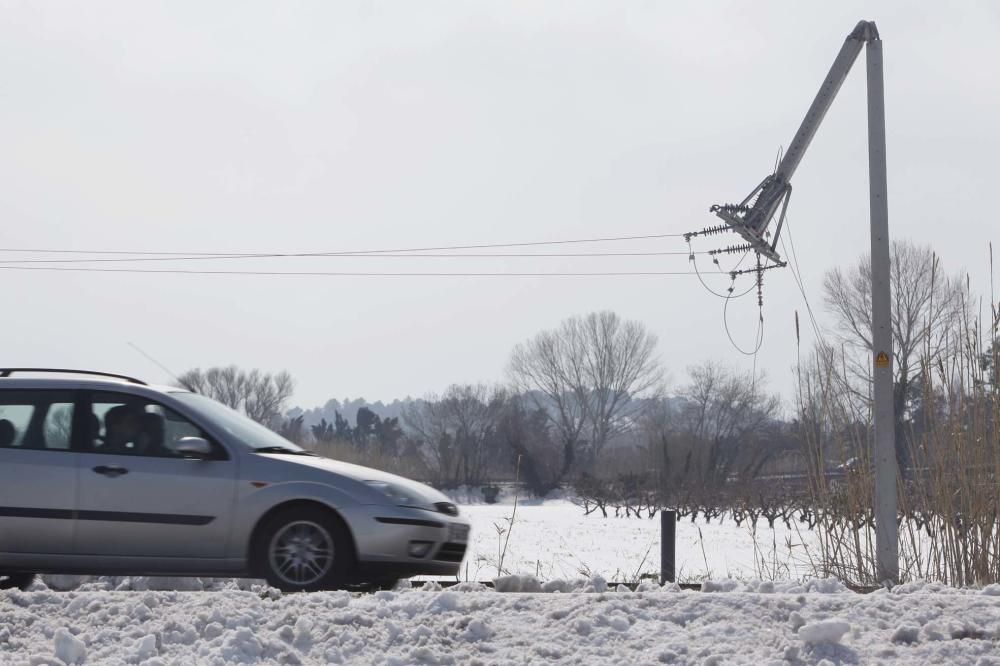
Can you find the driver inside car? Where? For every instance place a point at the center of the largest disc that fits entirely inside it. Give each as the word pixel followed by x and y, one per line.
pixel 122 425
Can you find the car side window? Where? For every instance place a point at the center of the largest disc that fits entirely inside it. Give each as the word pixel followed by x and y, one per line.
pixel 123 424
pixel 36 419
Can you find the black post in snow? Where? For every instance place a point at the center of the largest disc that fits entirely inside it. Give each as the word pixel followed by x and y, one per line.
pixel 668 546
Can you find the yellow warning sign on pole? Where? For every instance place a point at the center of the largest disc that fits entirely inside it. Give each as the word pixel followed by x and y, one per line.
pixel 882 360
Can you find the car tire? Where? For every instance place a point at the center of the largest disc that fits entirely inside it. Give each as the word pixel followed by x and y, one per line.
pixel 21 581
pixel 304 549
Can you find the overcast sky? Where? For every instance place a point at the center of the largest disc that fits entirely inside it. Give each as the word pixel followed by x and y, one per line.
pixel 330 126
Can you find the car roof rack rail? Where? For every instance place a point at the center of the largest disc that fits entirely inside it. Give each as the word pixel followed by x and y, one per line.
pixel 7 372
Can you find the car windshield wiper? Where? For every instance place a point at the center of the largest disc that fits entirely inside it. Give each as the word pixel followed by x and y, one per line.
pixel 283 449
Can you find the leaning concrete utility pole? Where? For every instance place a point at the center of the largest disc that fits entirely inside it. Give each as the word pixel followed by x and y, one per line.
pixel 750 219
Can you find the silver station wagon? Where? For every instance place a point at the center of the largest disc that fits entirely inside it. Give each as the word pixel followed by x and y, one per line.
pixel 103 474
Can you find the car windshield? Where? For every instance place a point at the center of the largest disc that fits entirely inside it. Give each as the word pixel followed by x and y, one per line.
pixel 247 431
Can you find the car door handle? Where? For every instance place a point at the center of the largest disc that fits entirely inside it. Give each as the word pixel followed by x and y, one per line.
pixel 110 471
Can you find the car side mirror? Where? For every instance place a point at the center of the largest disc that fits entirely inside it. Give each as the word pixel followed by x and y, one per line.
pixel 192 447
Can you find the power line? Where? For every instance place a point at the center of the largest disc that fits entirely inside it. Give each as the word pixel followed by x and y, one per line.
pixel 344 253
pixel 344 274
pixel 729 296
pixel 694 263
pixel 797 274
pixel 759 336
pixel 732 285
pixel 481 255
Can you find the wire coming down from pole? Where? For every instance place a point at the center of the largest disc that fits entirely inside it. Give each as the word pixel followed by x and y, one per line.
pixel 172 271
pixel 262 255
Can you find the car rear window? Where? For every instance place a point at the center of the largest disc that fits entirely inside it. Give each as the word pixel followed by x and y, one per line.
pixel 36 419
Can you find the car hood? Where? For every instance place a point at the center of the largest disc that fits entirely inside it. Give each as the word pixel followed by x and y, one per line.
pixel 361 474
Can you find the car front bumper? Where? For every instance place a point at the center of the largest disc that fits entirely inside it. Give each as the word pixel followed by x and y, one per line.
pixel 400 542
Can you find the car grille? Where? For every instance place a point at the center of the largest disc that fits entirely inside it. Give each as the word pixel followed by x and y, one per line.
pixel 447 508
pixel 451 552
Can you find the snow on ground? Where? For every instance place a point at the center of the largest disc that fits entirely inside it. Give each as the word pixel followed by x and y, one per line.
pixel 554 539
pixel 559 609
pixel 818 622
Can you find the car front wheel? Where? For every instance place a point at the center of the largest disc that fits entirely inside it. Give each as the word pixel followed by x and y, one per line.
pixel 304 550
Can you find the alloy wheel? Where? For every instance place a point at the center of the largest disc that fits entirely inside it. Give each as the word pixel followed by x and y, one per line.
pixel 301 553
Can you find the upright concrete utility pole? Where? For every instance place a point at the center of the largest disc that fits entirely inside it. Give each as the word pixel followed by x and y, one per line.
pixel 751 217
pixel 886 528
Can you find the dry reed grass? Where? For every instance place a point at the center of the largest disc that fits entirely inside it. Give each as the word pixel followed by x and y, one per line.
pixel 949 497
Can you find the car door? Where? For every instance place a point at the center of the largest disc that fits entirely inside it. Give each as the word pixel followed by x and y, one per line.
pixel 137 496
pixel 38 477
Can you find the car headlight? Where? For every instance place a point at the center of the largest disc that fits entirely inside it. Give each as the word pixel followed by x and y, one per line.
pixel 397 494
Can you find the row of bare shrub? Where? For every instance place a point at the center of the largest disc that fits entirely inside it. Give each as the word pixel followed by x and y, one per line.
pixel 635 494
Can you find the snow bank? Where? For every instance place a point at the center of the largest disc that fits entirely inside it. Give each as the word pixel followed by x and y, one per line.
pixel 749 623
pixel 69 648
pixel 527 583
pixel 810 585
pixel 516 583
pixel 824 631
pixel 144 583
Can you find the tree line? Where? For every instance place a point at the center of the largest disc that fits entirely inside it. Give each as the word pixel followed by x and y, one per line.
pixel 588 395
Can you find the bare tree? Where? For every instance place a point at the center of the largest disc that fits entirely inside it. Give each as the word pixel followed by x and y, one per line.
pixel 526 432
pixel 262 396
pixel 927 310
pixel 458 432
pixel 729 422
pixel 658 444
pixel 587 375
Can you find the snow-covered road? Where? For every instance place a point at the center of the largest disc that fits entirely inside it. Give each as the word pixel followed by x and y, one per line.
pixel 743 623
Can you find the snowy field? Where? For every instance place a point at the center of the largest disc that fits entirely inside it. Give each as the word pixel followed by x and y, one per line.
pixel 738 623
pixel 554 539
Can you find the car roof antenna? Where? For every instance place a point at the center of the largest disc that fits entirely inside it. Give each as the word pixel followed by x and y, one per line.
pixel 155 362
